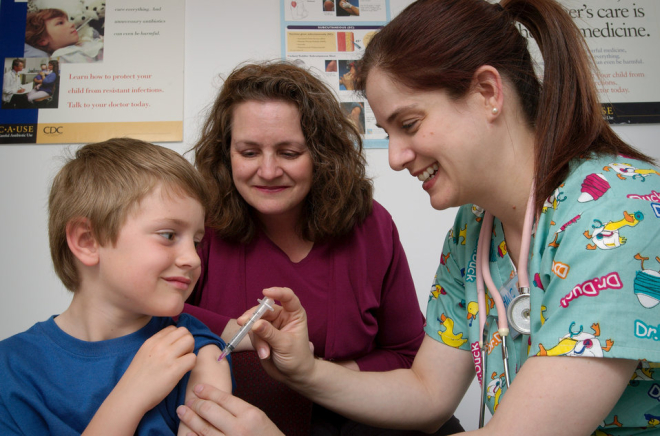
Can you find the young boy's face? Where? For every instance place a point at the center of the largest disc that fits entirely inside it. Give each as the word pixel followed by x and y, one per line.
pixel 152 268
pixel 60 33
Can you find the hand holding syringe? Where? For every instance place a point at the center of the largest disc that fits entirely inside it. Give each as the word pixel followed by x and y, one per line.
pixel 264 305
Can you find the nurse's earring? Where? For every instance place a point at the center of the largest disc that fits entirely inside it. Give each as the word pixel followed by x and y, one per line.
pixel 495 111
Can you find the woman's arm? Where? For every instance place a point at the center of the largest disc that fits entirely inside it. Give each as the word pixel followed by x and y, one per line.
pixel 561 395
pixel 423 397
pixel 400 320
pixel 353 10
pixel 50 78
pixel 576 392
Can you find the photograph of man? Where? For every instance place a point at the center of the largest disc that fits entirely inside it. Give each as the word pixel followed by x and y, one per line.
pixel 11 85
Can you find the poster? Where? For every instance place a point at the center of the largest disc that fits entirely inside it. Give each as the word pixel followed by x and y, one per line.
pixel 624 39
pixel 622 35
pixel 328 36
pixel 91 69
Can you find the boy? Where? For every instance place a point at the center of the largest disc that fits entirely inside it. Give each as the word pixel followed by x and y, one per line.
pixel 125 217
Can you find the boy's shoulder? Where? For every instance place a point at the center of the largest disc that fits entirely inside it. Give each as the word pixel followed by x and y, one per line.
pixel 202 334
pixel 25 352
pixel 35 333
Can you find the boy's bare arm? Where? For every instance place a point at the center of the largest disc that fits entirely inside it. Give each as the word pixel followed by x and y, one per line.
pixel 209 371
pixel 155 370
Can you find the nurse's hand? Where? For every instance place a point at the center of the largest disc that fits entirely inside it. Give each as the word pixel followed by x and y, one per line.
pixel 216 412
pixel 281 338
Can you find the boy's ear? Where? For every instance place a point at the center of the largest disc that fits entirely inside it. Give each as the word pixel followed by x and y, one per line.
pixel 81 241
pixel 43 42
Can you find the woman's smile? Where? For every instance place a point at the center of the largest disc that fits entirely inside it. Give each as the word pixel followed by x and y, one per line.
pixel 271 165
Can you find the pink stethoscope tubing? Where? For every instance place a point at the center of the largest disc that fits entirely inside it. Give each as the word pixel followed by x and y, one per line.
pixel 484 278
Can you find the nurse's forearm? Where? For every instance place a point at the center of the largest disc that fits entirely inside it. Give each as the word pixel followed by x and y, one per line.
pixel 392 399
pixel 422 397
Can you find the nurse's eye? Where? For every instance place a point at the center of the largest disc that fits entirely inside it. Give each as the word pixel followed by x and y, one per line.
pixel 409 125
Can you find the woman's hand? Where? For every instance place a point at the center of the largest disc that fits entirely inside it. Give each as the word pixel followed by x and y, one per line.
pixel 281 338
pixel 230 331
pixel 216 412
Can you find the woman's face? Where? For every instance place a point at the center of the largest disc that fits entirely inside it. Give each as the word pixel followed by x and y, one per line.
pixel 271 164
pixel 437 139
pixel 60 32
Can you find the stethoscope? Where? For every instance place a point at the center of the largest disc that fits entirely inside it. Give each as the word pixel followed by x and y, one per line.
pixel 518 311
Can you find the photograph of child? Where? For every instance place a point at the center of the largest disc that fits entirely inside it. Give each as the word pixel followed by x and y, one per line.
pixel 65 31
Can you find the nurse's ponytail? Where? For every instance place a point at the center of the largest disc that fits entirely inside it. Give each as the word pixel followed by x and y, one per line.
pixel 569 121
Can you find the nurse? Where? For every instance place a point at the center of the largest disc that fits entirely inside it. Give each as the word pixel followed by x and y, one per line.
pixel 479 130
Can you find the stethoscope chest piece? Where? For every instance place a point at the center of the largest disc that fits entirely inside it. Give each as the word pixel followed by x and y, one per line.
pixel 518 314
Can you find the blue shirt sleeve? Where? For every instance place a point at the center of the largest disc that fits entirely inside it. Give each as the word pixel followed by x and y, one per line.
pixel 203 337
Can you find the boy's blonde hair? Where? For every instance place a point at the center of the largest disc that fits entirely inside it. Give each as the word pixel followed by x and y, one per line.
pixel 104 182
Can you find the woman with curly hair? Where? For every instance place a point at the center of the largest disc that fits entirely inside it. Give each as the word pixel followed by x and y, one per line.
pixel 292 206
pixel 540 300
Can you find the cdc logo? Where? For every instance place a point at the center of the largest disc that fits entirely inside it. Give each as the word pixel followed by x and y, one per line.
pixel 52 130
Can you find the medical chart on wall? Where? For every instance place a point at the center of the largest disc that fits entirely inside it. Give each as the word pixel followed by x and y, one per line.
pixel 328 36
pixel 624 39
pixel 91 70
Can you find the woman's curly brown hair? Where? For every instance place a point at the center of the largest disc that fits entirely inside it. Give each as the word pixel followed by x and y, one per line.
pixel 341 193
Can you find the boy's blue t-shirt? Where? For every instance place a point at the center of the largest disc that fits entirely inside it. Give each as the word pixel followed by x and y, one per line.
pixel 53 383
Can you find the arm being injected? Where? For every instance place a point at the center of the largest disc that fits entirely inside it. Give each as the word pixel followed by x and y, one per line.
pixel 264 304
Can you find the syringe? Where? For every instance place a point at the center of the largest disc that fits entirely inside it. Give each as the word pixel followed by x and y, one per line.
pixel 265 304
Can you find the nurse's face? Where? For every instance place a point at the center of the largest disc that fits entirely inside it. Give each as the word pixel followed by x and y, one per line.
pixel 436 138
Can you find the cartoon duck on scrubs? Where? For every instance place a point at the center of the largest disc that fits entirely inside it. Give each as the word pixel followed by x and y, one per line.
pixel 578 344
pixel 494 388
pixel 448 336
pixel 606 236
pixel 624 171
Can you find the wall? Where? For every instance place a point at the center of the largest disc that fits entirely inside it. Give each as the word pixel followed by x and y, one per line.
pixel 219 35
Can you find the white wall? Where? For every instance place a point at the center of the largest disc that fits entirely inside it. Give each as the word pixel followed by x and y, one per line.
pixel 219 35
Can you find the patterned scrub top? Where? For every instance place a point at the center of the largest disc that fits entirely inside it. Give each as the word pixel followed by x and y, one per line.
pixel 594 273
